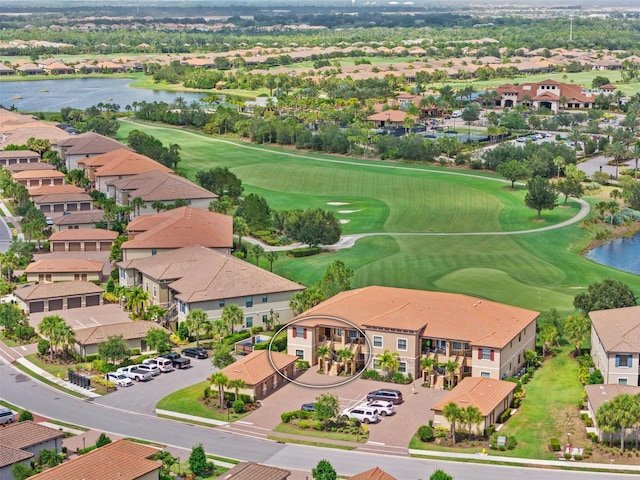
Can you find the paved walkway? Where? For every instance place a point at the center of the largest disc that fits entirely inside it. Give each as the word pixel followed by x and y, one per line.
pixel 58 381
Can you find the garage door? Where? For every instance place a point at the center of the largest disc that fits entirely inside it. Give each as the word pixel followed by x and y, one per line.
pixel 74 302
pixel 105 246
pixel 90 246
pixel 74 246
pixel 55 304
pixel 58 207
pixel 58 246
pixel 35 307
pixel 93 300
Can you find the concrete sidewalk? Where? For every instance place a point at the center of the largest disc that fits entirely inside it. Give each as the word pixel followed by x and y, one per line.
pixel 58 381
pixel 14 221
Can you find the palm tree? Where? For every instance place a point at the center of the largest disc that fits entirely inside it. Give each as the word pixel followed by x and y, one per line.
pixel 237 384
pixel 344 356
pixel 452 413
pixel 49 458
pixel 49 326
pixel 196 320
pixel 158 206
pixel 257 252
pixel 136 300
pixel 618 151
pixel 427 364
pixel 472 416
pixel 220 380
pixel 606 421
pixel 67 337
pixel 241 229
pixel 388 362
pixel 450 368
pixel 232 315
pixel 323 354
pixel 612 208
pixel 137 203
pixel 271 257
pixel 635 151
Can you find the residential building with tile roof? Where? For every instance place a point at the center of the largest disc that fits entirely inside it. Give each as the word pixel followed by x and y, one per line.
pixel 375 473
pixel 134 333
pixel 78 220
pixel 491 397
pixel 599 394
pixel 38 178
pixel 615 344
pixel 63 202
pixel 89 144
pixel 17 128
pixel 253 471
pixel 64 270
pixel 158 186
pixel 21 442
pixel 122 460
pixel 36 192
pixel 21 167
pixel 50 297
pixel 485 338
pixel 262 371
pixel 196 277
pixel 117 164
pixel 18 157
pixel 177 228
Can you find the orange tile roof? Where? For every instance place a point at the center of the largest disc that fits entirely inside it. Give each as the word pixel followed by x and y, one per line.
pixel 129 331
pixel 26 434
pixel 258 366
pixel 91 143
pixel 60 265
pixel 163 186
pixel 374 474
pixel 388 115
pixel 62 197
pixel 19 154
pixel 21 167
pixel 103 464
pixel 73 235
pixel 9 456
pixel 28 174
pixel 82 217
pixel 54 189
pixel 181 227
pixel 122 162
pixel 435 314
pixel 484 393
pixel 618 329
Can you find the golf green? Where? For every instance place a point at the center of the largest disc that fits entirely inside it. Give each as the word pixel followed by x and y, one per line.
pixel 537 270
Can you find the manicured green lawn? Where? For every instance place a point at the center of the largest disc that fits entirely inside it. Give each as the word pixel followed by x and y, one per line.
pixel 309 432
pixel 535 270
pixel 187 401
pixel 541 415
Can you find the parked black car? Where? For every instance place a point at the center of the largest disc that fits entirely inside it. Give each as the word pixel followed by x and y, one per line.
pixel 195 352
pixel 177 361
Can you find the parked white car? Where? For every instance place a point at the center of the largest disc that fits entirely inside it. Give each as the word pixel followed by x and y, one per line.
pixel 164 364
pixel 364 414
pixel 119 379
pixel 383 407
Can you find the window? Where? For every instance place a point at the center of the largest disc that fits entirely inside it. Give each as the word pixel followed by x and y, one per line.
pixel 403 367
pixel 300 354
pixel 249 302
pixel 622 381
pixel 623 360
pixel 485 354
pixel 155 292
pixel 249 322
pixel 402 344
pixel 123 274
pixel 181 306
pixel 457 345
pixel 467 346
pixel 146 286
pixel 154 251
pixel 519 337
pixel 485 375
pixel 337 332
pixel 265 318
pixel 375 364
pixel 300 332
pixel 221 304
pixel 377 341
pixel 352 333
pixel 265 298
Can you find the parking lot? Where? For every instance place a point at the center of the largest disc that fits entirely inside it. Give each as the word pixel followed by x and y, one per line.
pixel 392 431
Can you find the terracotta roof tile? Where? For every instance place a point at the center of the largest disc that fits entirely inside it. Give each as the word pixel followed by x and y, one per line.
pixel 21 167
pixel 437 314
pixel 26 434
pixel 54 290
pixel 9 456
pixel 62 197
pixel 54 190
pixel 258 366
pixel 373 474
pixel 91 143
pixel 73 235
pixel 484 393
pixel 598 394
pixel 618 329
pixel 254 471
pixel 129 331
pixel 122 162
pixel 163 186
pixel 63 265
pixel 19 154
pixel 80 218
pixel 181 227
pixel 28 174
pixel 103 464
pixel 200 274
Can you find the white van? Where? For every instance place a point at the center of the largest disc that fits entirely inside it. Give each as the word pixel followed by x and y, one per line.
pixel 164 364
pixel 6 416
pixel 456 114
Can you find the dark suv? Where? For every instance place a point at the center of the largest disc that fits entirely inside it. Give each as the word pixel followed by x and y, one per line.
pixel 393 396
pixel 195 352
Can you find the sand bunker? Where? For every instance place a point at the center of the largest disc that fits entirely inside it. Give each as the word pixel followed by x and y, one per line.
pixel 338 203
pixel 344 220
pixel 348 211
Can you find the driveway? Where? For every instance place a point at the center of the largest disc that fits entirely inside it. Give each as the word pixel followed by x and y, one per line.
pixel 393 432
pixel 142 397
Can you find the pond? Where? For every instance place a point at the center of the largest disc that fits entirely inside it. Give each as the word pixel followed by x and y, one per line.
pixel 81 93
pixel 621 253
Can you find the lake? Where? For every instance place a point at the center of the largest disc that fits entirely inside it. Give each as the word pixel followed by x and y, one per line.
pixel 81 93
pixel 621 253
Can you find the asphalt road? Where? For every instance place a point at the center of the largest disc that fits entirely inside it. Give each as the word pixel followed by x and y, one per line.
pixel 5 235
pixel 19 389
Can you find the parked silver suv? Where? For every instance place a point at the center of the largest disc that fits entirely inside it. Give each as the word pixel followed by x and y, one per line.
pixel 364 414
